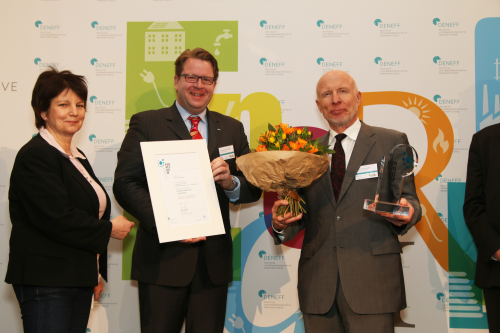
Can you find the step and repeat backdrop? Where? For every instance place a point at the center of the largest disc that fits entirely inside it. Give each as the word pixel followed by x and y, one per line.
pixel 428 68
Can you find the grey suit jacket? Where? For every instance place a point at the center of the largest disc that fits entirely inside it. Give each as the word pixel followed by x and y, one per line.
pixel 344 240
pixel 174 264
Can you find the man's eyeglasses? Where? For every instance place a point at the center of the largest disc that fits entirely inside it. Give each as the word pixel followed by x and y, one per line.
pixel 194 78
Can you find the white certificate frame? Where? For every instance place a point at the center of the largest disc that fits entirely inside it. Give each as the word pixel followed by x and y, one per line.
pixel 166 233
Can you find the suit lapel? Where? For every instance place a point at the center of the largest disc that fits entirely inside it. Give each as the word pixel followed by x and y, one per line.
pixel 176 124
pixel 214 133
pixel 362 147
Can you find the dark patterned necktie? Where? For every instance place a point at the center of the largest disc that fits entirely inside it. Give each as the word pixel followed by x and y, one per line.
pixel 338 165
pixel 195 133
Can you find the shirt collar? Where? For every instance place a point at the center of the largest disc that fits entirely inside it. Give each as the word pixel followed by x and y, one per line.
pixel 185 114
pixel 351 132
pixel 45 134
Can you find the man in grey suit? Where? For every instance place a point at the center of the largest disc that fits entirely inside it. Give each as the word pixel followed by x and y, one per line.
pixel 187 279
pixel 350 275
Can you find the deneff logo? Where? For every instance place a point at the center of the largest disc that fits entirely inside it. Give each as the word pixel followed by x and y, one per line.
pixel 101 102
pixel 266 26
pixel 444 219
pixel 42 26
pixel 93 138
pixel 105 179
pixel 437 60
pixel 449 180
pixel 378 23
pixel 96 63
pixel 96 26
pixel 442 101
pixel 440 24
pixel 327 64
pixel 321 24
pixel 39 62
pixel 263 255
pixel 265 63
pixel 378 61
pixel 263 294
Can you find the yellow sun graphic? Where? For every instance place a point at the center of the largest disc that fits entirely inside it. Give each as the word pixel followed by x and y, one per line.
pixel 417 109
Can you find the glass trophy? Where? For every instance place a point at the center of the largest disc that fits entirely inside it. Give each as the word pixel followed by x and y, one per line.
pixel 393 170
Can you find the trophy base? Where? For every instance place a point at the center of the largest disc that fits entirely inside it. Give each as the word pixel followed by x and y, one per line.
pixel 386 207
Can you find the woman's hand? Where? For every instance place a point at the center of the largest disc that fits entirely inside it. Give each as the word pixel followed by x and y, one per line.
pixel 121 227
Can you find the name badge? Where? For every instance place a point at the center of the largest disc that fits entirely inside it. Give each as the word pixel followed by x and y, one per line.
pixel 367 171
pixel 227 152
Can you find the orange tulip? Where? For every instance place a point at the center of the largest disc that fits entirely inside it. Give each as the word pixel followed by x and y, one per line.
pixel 261 148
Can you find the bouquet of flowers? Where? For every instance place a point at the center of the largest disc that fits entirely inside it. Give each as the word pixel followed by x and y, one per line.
pixel 286 159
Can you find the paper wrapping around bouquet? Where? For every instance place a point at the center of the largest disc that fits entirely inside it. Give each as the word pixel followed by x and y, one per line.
pixel 279 170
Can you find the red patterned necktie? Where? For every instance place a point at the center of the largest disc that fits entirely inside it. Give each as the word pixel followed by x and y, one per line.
pixel 195 134
pixel 338 165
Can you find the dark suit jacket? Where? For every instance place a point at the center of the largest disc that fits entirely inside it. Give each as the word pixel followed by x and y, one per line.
pixel 342 239
pixel 56 233
pixel 482 201
pixel 174 263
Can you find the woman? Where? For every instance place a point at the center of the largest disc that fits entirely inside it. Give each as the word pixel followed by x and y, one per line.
pixel 59 213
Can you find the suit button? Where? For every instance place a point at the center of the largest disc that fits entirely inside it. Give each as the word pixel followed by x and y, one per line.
pixel 334 249
pixel 338 218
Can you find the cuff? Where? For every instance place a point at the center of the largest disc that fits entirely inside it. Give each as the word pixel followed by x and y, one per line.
pixel 282 232
pixel 234 194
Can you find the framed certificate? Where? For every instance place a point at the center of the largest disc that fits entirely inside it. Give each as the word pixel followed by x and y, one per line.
pixel 182 189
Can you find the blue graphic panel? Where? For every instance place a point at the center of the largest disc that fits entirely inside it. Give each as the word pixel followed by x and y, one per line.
pixel 465 298
pixel 487 40
pixel 236 320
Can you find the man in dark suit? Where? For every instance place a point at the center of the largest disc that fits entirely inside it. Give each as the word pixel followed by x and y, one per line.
pixel 187 279
pixel 482 197
pixel 350 276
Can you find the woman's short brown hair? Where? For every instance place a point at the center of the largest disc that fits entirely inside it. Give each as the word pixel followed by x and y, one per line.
pixel 49 85
pixel 197 53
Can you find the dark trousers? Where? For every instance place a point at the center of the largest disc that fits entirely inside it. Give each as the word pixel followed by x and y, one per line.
pixel 203 305
pixel 341 319
pixel 54 309
pixel 492 302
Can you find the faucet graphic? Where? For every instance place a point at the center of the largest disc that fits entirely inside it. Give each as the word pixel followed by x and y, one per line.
pixel 225 35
